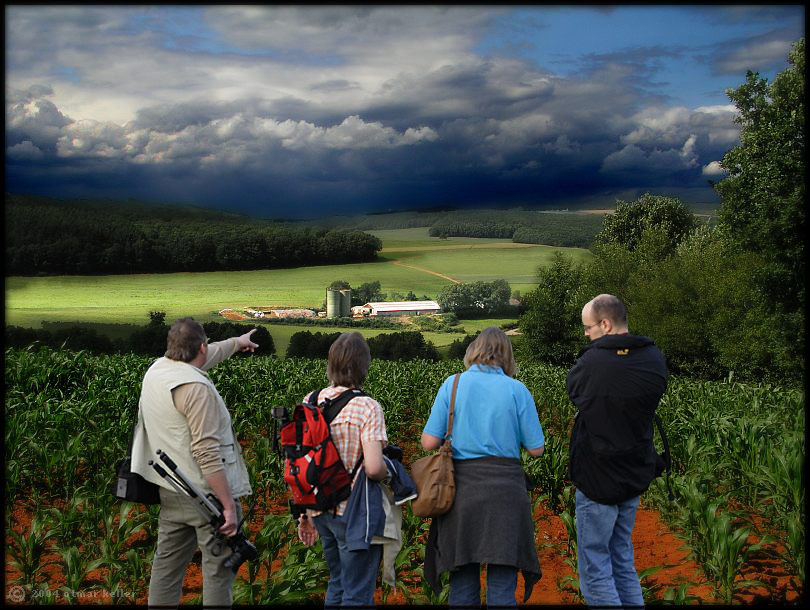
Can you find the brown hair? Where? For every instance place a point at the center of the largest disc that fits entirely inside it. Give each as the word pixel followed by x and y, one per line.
pixel 349 358
pixel 185 337
pixel 492 348
pixel 610 307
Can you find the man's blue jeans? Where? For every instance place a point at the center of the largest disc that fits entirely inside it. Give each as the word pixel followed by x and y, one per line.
pixel 352 574
pixel 607 574
pixel 465 585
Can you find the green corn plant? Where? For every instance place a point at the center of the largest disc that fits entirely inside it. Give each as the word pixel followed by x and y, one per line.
pixel 68 522
pixel 44 596
pixel 679 596
pixel 795 546
pixel 75 568
pixel 568 517
pixel 135 570
pixel 649 589
pixel 428 597
pixel 731 550
pixel 550 470
pixel 26 551
pixel 117 532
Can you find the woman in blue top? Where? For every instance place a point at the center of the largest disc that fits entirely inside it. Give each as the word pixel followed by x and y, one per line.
pixel 491 520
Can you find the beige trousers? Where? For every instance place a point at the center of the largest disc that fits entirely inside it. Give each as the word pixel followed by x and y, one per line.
pixel 181 530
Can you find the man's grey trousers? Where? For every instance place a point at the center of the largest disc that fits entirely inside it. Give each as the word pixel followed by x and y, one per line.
pixel 181 530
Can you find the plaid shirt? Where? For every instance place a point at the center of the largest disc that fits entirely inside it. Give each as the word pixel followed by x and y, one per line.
pixel 361 420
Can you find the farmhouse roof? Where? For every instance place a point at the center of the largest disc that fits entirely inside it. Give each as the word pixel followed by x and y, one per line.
pixel 404 306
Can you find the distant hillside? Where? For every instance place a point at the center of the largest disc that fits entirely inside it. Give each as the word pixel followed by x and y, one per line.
pixel 549 227
pixel 47 236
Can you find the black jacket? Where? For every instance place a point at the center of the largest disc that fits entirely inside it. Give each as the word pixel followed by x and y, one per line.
pixel 616 385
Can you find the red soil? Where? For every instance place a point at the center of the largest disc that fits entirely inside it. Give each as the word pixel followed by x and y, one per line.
pixel 655 546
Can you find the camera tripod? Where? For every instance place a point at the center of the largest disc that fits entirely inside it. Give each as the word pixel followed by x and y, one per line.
pixel 210 508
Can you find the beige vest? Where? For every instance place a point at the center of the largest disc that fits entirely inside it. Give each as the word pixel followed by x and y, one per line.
pixel 161 426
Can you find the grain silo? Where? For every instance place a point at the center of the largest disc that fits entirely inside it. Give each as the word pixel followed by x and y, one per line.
pixel 333 303
pixel 346 302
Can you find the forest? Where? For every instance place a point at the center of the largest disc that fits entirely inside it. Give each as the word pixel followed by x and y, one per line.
pixel 53 237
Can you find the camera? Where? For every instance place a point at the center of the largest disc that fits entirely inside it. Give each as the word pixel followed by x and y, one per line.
pixel 243 550
pixel 280 413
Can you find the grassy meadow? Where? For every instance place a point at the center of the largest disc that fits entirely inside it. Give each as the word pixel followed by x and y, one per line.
pixel 410 260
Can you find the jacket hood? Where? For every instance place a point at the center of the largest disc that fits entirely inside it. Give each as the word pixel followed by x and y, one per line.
pixel 624 341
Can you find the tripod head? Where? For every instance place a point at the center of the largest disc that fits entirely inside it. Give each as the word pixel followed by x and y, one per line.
pixel 211 509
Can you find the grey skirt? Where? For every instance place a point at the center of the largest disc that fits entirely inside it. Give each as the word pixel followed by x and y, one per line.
pixel 490 522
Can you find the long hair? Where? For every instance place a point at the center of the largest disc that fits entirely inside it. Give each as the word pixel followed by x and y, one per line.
pixel 349 359
pixel 492 348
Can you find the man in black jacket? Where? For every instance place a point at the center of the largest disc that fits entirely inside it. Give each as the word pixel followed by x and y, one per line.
pixel 616 384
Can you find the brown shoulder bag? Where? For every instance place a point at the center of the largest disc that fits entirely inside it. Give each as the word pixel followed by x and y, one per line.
pixel 434 474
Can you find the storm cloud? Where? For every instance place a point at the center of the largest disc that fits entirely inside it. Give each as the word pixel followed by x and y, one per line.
pixel 287 111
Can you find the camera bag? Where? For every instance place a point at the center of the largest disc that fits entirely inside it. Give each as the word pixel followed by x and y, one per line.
pixel 130 486
pixel 313 469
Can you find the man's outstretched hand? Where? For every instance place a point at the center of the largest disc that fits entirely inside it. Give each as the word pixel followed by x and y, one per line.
pixel 244 342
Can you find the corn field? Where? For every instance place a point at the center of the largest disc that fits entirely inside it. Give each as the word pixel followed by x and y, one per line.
pixel 738 471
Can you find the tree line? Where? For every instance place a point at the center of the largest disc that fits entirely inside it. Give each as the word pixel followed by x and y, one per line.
pixel 50 237
pixel 521 226
pixel 149 340
pixel 404 345
pixel 525 226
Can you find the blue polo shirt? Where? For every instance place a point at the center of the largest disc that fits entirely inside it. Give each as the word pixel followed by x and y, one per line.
pixel 494 415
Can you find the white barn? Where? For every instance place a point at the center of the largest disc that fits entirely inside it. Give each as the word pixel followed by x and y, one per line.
pixel 397 308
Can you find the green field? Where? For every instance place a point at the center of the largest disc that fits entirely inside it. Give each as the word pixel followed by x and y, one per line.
pixel 411 260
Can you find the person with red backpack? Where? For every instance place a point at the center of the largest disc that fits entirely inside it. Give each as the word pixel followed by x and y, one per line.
pixel 358 430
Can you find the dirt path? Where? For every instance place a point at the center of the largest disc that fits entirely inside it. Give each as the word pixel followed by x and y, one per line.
pixel 422 269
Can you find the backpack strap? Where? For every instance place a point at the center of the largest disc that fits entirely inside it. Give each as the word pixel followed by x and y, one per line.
pixel 666 455
pixel 331 407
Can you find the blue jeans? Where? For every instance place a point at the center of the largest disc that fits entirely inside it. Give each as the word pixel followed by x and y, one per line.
pixel 607 574
pixel 352 574
pixel 465 585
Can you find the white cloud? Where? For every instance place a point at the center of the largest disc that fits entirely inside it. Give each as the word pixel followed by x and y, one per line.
pixel 714 169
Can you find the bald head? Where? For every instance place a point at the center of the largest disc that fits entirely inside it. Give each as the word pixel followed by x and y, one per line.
pixel 604 315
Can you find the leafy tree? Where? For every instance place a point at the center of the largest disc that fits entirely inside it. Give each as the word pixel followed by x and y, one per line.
pixel 368 293
pixel 405 345
pixel 475 298
pixel 219 331
pixel 667 215
pixel 305 344
pixel 458 348
pixel 763 196
pixel 339 285
pixel 552 323
pixel 157 317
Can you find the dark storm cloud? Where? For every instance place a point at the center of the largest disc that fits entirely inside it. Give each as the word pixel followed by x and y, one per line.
pixel 404 114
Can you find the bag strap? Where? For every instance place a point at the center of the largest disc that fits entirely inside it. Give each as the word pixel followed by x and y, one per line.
pixel 331 407
pixel 449 434
pixel 667 456
pixel 132 431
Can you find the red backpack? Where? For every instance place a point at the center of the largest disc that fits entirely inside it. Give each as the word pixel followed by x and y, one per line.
pixel 313 469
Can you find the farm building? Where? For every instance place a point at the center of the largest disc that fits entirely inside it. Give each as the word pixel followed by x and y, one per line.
pixel 396 309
